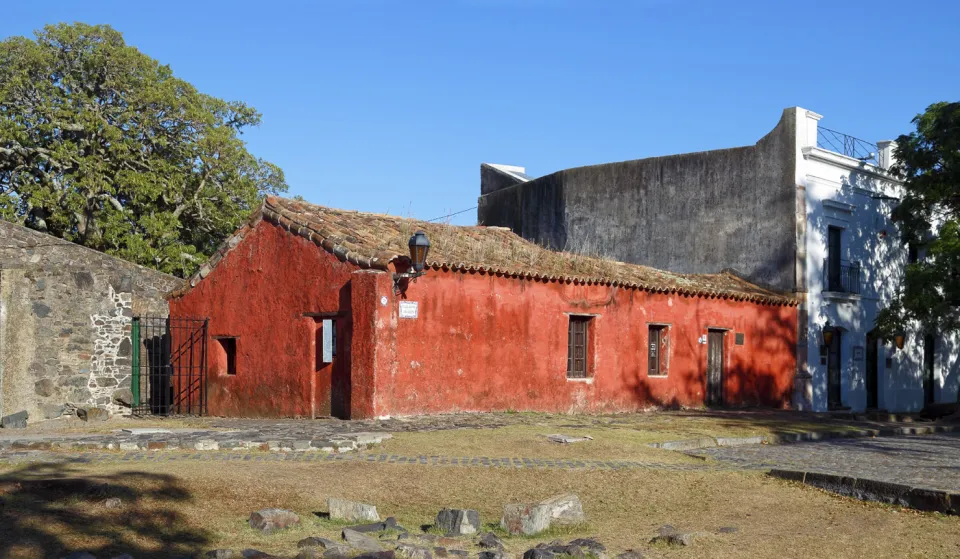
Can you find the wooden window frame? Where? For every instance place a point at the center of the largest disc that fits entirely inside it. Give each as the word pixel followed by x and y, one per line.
pixel 587 321
pixel 663 349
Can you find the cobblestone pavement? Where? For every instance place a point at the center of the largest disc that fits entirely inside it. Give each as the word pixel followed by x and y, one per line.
pixel 260 434
pixel 462 461
pixel 929 461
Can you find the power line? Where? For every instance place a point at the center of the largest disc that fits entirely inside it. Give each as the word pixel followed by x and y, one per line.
pixel 451 215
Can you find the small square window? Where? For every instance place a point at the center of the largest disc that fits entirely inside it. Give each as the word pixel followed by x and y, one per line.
pixel 225 354
pixel 739 338
pixel 657 346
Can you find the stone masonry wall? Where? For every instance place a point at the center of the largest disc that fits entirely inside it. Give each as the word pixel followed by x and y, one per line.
pixel 65 322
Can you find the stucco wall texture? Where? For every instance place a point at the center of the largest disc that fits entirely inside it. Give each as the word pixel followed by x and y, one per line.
pixel 480 341
pixel 690 213
pixel 65 315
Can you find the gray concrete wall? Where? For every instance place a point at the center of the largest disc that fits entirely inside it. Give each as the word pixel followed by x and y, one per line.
pixel 65 314
pixel 693 213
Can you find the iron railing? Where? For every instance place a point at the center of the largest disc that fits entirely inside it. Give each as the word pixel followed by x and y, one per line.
pixel 842 278
pixel 847 145
pixel 169 375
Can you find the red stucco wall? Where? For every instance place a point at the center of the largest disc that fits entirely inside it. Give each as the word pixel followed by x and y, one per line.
pixel 260 293
pixel 480 342
pixel 484 342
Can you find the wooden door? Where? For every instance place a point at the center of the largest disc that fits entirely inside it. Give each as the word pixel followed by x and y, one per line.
pixel 929 353
pixel 323 364
pixel 715 367
pixel 833 371
pixel 873 373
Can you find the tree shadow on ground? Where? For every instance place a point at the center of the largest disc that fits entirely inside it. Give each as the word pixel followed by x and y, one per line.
pixel 50 510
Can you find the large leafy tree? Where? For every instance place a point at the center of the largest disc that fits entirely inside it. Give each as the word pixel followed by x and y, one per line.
pixel 928 160
pixel 104 146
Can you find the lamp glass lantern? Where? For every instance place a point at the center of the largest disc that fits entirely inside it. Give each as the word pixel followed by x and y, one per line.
pixel 899 337
pixel 419 248
pixel 827 334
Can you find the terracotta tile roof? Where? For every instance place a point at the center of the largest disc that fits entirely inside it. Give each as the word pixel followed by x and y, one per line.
pixel 374 241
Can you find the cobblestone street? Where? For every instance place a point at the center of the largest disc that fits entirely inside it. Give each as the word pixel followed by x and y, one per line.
pixel 930 461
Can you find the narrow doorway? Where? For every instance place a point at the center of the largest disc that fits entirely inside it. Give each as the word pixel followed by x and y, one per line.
pixel 715 367
pixel 833 371
pixel 873 380
pixel 929 353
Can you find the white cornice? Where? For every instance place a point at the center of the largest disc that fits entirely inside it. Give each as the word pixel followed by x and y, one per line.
pixel 840 206
pixel 845 162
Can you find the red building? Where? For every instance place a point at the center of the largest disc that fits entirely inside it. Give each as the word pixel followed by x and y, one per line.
pixel 306 321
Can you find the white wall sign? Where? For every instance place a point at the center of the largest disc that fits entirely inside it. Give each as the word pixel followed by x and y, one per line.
pixel 383 300
pixel 702 340
pixel 409 309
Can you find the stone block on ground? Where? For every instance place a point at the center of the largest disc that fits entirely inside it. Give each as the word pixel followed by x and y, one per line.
pixel 459 522
pixel 377 555
pixel 568 439
pixel 271 520
pixel 672 536
pixel 389 524
pixel 322 543
pixel 490 540
pixel 444 553
pixel 630 554
pixel 582 548
pixel 342 509
pixel 220 554
pixel 410 551
pixel 564 510
pixel 531 519
pixel 93 414
pixel 493 554
pixel 255 554
pixel 112 503
pixel 360 541
pixel 15 420
pixel 528 520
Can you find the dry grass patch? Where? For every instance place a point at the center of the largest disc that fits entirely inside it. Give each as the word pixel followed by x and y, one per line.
pixel 205 505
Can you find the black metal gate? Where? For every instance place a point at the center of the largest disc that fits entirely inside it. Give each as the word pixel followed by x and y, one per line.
pixel 169 365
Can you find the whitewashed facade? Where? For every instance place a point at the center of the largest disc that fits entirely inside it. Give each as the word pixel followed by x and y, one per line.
pixel 850 261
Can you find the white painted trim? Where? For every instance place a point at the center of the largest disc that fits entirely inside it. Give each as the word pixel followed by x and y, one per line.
pixel 588 380
pixel 840 296
pixel 839 206
pixel 849 163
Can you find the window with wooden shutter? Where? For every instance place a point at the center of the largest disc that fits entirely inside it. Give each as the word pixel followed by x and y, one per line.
pixel 657 350
pixel 578 334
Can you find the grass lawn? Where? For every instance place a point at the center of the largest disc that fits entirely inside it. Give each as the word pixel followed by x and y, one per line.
pixel 184 508
pixel 616 437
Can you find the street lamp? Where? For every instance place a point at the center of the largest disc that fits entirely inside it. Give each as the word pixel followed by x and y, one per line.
pixel 827 333
pixel 419 246
pixel 898 338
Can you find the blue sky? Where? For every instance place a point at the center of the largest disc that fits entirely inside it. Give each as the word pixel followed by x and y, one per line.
pixel 391 106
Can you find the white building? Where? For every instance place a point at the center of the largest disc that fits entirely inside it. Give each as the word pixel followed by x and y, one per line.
pixel 851 262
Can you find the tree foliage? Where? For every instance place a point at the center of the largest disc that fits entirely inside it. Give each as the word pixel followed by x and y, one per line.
pixel 104 146
pixel 928 160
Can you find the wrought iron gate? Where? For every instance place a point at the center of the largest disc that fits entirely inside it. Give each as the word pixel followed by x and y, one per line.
pixel 169 362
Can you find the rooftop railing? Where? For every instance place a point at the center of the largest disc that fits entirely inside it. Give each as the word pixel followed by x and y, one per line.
pixel 845 144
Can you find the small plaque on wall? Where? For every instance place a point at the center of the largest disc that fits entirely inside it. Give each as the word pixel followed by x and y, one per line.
pixel 739 338
pixel 409 309
pixel 858 353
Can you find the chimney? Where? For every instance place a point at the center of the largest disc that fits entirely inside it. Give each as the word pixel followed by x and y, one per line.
pixel 885 158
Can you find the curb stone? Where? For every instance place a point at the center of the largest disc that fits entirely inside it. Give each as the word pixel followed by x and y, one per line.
pixel 808 436
pixel 919 498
